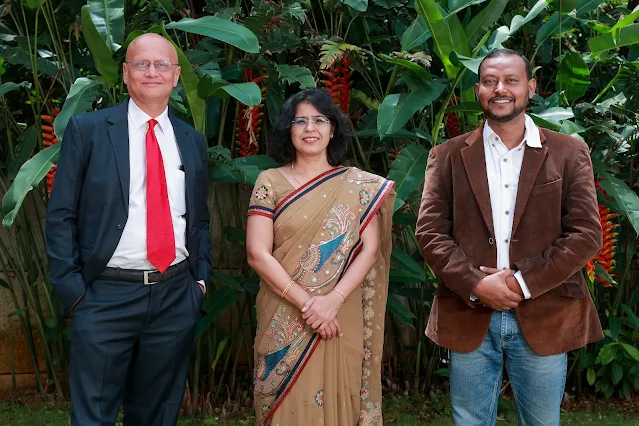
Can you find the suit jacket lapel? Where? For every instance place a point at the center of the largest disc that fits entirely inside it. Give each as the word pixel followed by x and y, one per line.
pixel 530 167
pixel 474 161
pixel 185 147
pixel 119 136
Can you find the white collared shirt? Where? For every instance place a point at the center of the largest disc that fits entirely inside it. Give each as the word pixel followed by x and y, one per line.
pixel 131 250
pixel 503 167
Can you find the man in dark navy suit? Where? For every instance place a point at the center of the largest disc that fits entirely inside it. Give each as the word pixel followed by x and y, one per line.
pixel 129 246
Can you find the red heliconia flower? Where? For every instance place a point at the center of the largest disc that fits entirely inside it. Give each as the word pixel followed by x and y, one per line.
pixel 49 138
pixel 338 81
pixel 249 123
pixel 606 257
pixel 452 124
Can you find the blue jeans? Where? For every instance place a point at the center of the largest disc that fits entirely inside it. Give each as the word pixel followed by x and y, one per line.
pixel 475 378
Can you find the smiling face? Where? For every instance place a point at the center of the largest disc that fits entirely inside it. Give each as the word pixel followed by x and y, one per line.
pixel 503 89
pixel 151 87
pixel 310 138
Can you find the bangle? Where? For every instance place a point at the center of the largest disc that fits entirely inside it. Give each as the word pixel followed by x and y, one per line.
pixel 340 293
pixel 290 283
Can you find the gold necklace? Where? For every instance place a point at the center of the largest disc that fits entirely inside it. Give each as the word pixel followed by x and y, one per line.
pixel 293 173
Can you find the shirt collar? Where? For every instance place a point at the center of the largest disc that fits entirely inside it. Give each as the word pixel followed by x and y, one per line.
pixel 139 118
pixel 531 133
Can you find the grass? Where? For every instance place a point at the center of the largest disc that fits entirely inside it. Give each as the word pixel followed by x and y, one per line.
pixel 399 411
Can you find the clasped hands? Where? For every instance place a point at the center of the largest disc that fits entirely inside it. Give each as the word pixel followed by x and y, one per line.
pixel 499 290
pixel 320 312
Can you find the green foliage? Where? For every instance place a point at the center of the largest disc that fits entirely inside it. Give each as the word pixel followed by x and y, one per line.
pixel 411 88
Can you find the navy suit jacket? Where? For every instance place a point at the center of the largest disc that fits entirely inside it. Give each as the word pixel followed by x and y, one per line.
pixel 89 203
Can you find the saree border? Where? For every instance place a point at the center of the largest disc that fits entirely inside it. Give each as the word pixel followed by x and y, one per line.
pixel 295 374
pixel 368 215
pixel 307 187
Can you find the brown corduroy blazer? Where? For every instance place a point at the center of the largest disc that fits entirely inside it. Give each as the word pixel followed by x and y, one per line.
pixel 556 231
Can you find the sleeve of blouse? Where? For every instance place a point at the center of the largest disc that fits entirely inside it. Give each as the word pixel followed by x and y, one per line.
pixel 262 200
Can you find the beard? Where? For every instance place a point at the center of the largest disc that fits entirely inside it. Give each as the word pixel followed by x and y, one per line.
pixel 508 116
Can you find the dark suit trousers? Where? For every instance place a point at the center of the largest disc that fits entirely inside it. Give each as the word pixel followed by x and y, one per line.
pixel 130 345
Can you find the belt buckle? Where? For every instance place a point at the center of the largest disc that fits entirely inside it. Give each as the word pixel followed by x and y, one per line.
pixel 146 277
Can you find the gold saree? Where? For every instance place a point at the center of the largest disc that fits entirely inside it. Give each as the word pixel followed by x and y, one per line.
pixel 299 378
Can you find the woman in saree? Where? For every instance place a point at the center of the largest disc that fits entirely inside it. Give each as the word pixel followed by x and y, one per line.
pixel 319 236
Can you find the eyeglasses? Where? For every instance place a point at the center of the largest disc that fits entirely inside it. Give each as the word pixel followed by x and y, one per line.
pixel 160 66
pixel 317 121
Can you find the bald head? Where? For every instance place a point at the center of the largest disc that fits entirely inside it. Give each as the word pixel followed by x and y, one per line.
pixel 151 41
pixel 150 72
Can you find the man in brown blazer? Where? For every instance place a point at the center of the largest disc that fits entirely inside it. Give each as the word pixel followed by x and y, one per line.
pixel 508 219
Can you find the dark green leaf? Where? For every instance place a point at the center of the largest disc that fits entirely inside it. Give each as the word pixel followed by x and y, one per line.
pixel 405 262
pixel 82 94
pixel 8 87
pixel 108 18
pixel 223 173
pixel 603 274
pixel 398 275
pixel 624 36
pixel 626 198
pixel 416 34
pixel 167 5
pixel 632 351
pixel 468 107
pixel 397 109
pixel 29 176
pixel 590 376
pixel 455 6
pixel 607 354
pixel 408 171
pixel 252 285
pixel 416 69
pixel 485 19
pixel 617 372
pixel 51 322
pixel 235 235
pixel 359 5
pixel 100 52
pixel 440 31
pixel 218 301
pixel 220 29
pixel 395 306
pixel 573 77
pixel 4 284
pixel 295 74
pixel 631 316
pixel 28 142
pixel 444 372
pixel 405 219
pixel 615 326
pixel 226 280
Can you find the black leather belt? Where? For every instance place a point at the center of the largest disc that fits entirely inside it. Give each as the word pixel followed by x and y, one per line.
pixel 147 277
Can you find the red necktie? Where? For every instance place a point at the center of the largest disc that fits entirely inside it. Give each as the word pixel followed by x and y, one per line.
pixel 160 240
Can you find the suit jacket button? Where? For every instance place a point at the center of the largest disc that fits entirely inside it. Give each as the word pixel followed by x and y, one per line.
pixel 120 225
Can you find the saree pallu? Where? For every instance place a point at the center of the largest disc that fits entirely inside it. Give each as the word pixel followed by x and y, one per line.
pixel 299 378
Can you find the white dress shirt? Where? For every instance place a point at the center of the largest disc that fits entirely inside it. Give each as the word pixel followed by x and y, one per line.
pixel 131 250
pixel 503 167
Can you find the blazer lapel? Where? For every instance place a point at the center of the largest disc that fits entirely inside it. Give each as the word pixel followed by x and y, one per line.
pixel 474 161
pixel 185 148
pixel 119 136
pixel 530 167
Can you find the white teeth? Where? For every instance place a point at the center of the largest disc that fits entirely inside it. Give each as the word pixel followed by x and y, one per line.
pixel 502 101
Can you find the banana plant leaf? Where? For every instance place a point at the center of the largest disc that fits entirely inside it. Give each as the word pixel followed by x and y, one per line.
pixel 408 172
pixel 108 18
pixel 100 51
pixel 220 29
pixel 574 76
pixel 29 176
